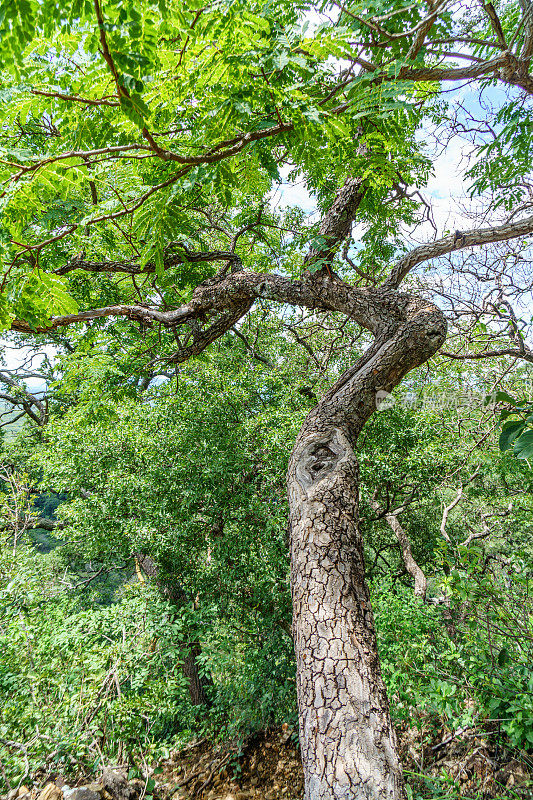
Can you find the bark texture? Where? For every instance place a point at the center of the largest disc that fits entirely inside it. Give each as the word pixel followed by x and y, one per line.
pixel 197 684
pixel 410 563
pixel 347 740
pixel 337 223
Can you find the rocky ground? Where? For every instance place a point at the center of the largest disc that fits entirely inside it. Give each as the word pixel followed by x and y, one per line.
pixel 267 766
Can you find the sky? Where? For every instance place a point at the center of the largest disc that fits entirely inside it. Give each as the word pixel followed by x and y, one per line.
pixel 447 190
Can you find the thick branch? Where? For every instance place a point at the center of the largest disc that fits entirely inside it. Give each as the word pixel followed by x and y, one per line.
pixel 203 338
pixel 458 241
pixel 496 25
pixel 424 29
pixel 505 66
pixel 527 47
pixel 405 546
pixel 336 224
pixel 372 308
pixel 137 313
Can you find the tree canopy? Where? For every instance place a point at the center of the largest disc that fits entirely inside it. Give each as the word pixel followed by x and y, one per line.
pixel 140 142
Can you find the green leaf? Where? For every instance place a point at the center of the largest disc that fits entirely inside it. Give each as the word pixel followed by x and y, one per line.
pixel 60 301
pixel 283 59
pixel 6 314
pixel 131 84
pixel 500 397
pixel 503 657
pixel 135 109
pixel 523 447
pixel 140 106
pixel 509 433
pixel 159 262
pixel 338 127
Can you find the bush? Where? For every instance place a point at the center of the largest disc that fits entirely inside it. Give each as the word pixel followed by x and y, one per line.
pixel 463 662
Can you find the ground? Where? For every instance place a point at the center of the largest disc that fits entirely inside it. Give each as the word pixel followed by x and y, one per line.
pixel 266 766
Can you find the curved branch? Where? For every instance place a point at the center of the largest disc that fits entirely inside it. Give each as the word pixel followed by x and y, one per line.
pixel 31 405
pixel 203 338
pixel 36 248
pixel 423 25
pixel 424 28
pixel 527 47
pixel 458 241
pixel 496 25
pixel 142 314
pixel 458 498
pixel 374 308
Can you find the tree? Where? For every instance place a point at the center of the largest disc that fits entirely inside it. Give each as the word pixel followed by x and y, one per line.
pixel 174 483
pixel 152 134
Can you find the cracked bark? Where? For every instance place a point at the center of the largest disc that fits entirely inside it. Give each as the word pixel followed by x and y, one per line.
pixel 347 740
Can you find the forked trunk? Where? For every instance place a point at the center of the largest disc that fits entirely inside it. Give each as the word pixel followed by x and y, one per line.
pixel 347 741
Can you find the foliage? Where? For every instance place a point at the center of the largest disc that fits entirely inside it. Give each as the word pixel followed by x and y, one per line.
pixel 79 678
pixel 78 160
pixel 493 603
pixel 221 549
pixel 82 681
pixel 466 664
pixel 66 656
pixel 517 434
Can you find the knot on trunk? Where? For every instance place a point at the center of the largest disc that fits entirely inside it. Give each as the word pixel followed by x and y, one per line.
pixel 319 458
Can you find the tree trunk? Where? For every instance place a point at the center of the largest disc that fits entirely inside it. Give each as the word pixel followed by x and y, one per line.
pixel 347 741
pixel 409 562
pixel 197 684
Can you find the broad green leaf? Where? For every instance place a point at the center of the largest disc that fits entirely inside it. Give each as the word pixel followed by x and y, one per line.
pixel 509 433
pixel 523 446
